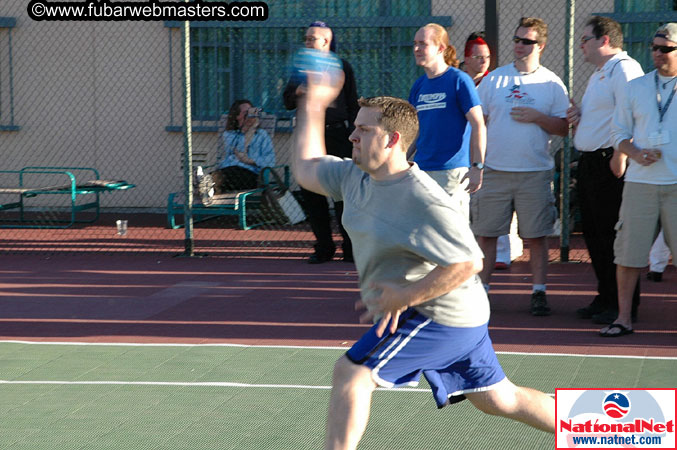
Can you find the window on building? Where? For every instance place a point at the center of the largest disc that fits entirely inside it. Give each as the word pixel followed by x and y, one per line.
pixel 639 19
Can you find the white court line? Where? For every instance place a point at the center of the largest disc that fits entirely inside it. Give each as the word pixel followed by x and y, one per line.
pixel 200 384
pixel 300 347
pixel 192 384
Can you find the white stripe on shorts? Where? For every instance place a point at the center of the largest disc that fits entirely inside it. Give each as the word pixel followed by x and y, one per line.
pixel 394 352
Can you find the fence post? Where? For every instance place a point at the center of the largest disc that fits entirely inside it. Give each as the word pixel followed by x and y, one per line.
pixel 566 153
pixel 187 144
pixel 491 30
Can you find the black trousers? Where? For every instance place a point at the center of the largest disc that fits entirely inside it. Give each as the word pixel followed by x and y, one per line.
pixel 232 178
pixel 317 207
pixel 599 197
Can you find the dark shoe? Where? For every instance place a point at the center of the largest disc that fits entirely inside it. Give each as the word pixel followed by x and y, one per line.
pixel 500 265
pixel 615 330
pixel 655 276
pixel 605 317
pixel 319 258
pixel 539 304
pixel 590 310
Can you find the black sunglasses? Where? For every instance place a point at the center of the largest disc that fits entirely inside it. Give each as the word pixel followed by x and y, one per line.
pixel 525 41
pixel 662 48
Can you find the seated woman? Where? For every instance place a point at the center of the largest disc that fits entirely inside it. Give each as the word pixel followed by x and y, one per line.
pixel 245 151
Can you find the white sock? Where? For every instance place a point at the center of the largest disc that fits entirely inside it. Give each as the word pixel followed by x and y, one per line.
pixel 539 287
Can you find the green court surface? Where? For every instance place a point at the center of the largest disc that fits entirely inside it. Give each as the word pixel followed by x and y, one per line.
pixel 111 396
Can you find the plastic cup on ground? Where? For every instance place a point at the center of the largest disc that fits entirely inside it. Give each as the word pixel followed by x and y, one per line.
pixel 121 226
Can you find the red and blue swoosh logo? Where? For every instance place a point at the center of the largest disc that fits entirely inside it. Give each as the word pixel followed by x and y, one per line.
pixel 616 405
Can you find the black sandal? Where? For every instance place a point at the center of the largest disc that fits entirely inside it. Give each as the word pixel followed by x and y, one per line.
pixel 622 330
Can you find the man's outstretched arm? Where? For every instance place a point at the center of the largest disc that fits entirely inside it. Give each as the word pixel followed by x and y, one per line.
pixel 309 143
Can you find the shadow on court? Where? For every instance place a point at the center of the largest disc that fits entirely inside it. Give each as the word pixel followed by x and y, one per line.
pixel 161 298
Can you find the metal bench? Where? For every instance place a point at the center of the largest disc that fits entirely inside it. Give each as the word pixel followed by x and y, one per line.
pixel 243 204
pixel 26 183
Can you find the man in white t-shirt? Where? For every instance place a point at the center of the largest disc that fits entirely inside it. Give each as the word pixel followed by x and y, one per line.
pixel 524 104
pixel 600 169
pixel 644 127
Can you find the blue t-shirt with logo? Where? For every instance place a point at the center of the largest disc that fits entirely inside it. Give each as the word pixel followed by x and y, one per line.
pixel 444 133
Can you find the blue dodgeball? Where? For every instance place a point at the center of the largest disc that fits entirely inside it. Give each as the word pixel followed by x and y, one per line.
pixel 312 60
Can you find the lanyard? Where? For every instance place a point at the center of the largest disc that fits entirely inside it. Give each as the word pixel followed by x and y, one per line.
pixel 661 110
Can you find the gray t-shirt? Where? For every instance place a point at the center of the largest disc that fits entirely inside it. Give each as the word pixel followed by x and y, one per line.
pixel 401 230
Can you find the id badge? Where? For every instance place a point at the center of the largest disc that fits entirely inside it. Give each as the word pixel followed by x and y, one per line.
pixel 659 138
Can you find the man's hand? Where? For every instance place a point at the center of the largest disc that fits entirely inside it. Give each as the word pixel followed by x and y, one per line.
pixel 389 305
pixel 646 156
pixel 524 114
pixel 557 126
pixel 573 114
pixel 474 177
pixel 322 88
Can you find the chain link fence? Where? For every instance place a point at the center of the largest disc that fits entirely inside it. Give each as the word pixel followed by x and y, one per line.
pixel 110 96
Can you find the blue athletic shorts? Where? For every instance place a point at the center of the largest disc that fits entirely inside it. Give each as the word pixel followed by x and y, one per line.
pixel 455 361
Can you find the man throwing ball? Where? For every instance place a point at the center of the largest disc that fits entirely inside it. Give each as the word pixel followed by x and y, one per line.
pixel 417 262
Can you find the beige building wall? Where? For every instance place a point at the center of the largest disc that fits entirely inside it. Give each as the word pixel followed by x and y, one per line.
pixel 94 94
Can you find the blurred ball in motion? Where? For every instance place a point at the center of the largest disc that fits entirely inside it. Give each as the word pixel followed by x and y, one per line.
pixel 311 60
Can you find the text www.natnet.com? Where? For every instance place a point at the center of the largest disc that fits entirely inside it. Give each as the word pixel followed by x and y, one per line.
pixel 616 440
pixel 146 10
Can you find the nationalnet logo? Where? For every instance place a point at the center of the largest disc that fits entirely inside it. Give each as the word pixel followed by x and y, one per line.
pixel 615 418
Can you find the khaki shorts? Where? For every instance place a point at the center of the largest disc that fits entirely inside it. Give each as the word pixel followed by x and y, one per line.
pixel 450 180
pixel 644 210
pixel 529 194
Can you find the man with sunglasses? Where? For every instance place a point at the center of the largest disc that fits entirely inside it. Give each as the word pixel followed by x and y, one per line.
pixel 524 104
pixel 644 127
pixel 600 169
pixel 339 124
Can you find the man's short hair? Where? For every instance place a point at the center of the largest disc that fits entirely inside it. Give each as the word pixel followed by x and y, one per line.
pixel 396 115
pixel 605 26
pixel 537 24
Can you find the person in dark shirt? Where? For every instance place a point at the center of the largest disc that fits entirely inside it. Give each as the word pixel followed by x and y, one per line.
pixel 338 126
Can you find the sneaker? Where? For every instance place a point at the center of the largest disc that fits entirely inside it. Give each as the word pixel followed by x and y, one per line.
pixel 206 188
pixel 500 265
pixel 539 304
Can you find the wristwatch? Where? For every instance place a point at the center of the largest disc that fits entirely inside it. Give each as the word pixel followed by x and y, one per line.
pixel 479 165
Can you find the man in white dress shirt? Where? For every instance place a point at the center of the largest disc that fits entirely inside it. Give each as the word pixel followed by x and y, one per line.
pixel 600 168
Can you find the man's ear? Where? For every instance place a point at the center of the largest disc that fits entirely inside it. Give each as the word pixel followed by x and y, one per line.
pixel 393 139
